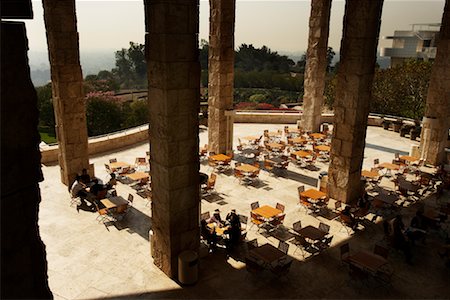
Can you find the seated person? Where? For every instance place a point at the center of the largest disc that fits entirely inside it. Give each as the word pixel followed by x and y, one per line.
pixel 78 188
pixel 351 221
pixel 216 218
pixel 112 182
pixel 97 189
pixel 207 234
pixel 85 178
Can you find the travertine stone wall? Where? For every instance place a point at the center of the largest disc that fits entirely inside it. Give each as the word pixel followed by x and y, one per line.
pixel 221 75
pixel 316 64
pixel 353 93
pixel 437 112
pixel 174 93
pixel 23 258
pixel 67 87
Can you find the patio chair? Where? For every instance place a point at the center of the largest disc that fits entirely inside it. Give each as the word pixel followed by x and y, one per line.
pixel 297 226
pixel 239 175
pixel 268 166
pixel 376 164
pixel 254 205
pixel 104 215
pixel 210 184
pixel 277 221
pixel 255 219
pixel 243 219
pixel 324 244
pixel 283 246
pixel 140 161
pixel 280 207
pixel 324 227
pixel 75 200
pixel 112 160
pixel 130 200
pixel 301 243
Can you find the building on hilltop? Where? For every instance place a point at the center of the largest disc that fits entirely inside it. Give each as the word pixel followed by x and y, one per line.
pixel 420 42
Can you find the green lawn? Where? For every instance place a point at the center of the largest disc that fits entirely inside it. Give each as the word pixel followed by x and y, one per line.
pixel 47 138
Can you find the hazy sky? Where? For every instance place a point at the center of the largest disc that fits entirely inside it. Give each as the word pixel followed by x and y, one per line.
pixel 280 25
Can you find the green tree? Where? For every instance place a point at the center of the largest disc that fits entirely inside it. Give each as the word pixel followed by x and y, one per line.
pixel 131 67
pixel 103 113
pixel 45 105
pixel 402 90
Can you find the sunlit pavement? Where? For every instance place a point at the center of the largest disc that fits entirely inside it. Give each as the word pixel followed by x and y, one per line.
pixel 89 260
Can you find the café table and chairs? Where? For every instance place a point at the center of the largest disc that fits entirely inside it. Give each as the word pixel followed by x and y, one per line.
pixel 222 161
pixel 267 214
pixel 118 166
pixel 389 167
pixel 248 172
pixel 372 177
pixel 268 256
pixel 316 198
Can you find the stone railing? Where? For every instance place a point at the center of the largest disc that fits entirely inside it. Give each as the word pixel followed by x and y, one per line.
pixel 139 134
pixel 288 117
pixel 103 143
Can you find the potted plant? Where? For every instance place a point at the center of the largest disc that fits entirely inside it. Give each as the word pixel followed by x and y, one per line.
pixel 386 124
pixel 397 124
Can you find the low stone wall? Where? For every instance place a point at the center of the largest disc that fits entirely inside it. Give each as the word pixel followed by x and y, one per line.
pixel 49 154
pixel 288 118
pixel 101 144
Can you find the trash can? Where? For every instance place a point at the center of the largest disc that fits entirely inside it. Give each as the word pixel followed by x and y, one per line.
pixel 188 267
pixel 414 151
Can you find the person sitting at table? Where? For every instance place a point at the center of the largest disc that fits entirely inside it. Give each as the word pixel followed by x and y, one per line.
pixel 216 218
pixel 400 240
pixel 85 178
pixel 112 182
pixel 208 234
pixel 98 190
pixel 352 222
pixel 78 188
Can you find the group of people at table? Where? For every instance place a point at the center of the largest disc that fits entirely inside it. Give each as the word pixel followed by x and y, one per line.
pixel 91 191
pixel 215 230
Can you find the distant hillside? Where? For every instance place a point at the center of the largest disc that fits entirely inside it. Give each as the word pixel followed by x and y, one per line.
pixel 91 63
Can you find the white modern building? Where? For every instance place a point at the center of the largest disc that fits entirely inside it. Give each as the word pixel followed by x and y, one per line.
pixel 419 43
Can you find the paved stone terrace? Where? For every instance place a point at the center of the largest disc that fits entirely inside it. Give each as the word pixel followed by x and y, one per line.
pixel 87 260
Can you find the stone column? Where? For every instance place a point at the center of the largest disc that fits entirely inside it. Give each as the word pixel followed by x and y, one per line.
pixel 316 64
pixel 221 75
pixel 174 102
pixel 23 259
pixel 436 121
pixel 355 76
pixel 67 87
